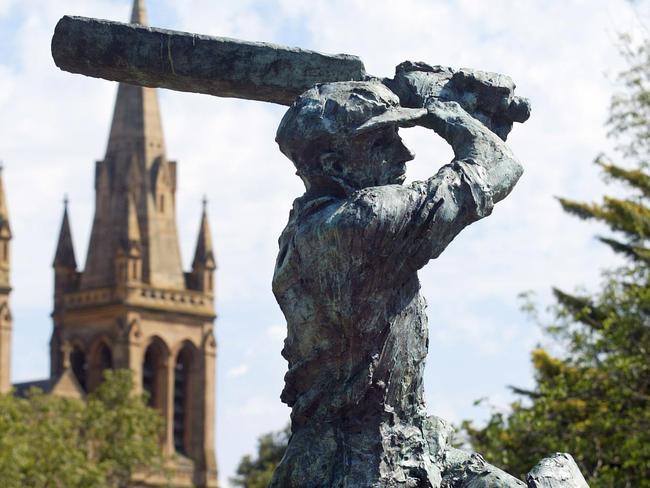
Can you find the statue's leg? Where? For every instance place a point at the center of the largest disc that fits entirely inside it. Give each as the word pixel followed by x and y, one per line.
pixel 469 470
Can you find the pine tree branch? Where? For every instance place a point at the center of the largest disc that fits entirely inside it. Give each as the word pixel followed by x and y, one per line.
pixel 524 392
pixel 636 253
pixel 581 210
pixel 634 178
pixel 627 216
pixel 581 308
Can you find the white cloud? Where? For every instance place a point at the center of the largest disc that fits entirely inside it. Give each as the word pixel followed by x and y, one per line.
pixel 277 332
pixel 7 85
pixel 258 406
pixel 238 371
pixel 5 7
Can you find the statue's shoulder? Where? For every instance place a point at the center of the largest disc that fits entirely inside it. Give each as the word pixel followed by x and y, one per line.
pixel 364 209
pixel 387 201
pixel 306 208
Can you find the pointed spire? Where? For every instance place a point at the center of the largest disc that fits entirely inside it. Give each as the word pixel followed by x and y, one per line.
pixel 136 126
pixel 139 13
pixel 134 154
pixel 204 254
pixel 5 229
pixel 65 249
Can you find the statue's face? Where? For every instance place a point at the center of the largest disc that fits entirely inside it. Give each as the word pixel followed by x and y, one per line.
pixel 377 158
pixel 343 136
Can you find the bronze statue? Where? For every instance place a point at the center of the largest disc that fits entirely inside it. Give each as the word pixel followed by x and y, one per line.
pixel 346 274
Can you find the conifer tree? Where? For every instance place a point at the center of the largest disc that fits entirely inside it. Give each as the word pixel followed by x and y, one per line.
pixel 594 400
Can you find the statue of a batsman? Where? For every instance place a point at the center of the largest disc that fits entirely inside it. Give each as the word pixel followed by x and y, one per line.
pixel 346 274
pixel 346 278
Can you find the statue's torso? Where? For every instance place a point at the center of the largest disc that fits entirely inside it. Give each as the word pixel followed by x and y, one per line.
pixel 351 308
pixel 346 280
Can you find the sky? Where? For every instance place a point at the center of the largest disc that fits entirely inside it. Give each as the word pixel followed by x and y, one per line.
pixel 562 55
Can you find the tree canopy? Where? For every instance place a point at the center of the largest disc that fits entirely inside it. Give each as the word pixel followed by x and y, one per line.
pixel 257 473
pixel 48 441
pixel 593 400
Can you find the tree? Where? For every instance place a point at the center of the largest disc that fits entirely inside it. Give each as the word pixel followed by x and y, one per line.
pixel 594 399
pixel 257 473
pixel 48 441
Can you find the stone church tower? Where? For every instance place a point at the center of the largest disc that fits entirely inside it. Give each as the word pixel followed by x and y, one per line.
pixel 133 306
pixel 5 289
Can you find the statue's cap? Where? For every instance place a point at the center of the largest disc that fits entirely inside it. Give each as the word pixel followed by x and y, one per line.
pixel 335 112
pixel 400 116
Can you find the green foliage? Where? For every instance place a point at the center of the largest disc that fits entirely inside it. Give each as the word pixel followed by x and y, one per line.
pixel 594 400
pixel 257 473
pixel 48 441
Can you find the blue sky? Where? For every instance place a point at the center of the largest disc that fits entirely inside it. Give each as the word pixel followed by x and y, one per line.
pixel 561 54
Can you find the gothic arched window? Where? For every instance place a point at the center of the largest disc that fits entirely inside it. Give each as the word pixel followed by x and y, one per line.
pixel 101 359
pixel 153 373
pixel 79 366
pixel 182 399
pixel 104 358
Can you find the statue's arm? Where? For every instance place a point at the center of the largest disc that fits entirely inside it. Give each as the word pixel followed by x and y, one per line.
pixel 472 110
pixel 483 172
pixel 415 223
pixel 412 224
pixel 484 157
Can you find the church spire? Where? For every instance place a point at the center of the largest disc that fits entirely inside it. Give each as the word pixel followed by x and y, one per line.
pixel 204 263
pixel 139 13
pixel 204 254
pixel 66 277
pixel 133 302
pixel 136 126
pixel 135 173
pixel 64 256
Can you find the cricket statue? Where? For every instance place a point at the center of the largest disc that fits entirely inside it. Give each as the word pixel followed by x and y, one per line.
pixel 346 276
